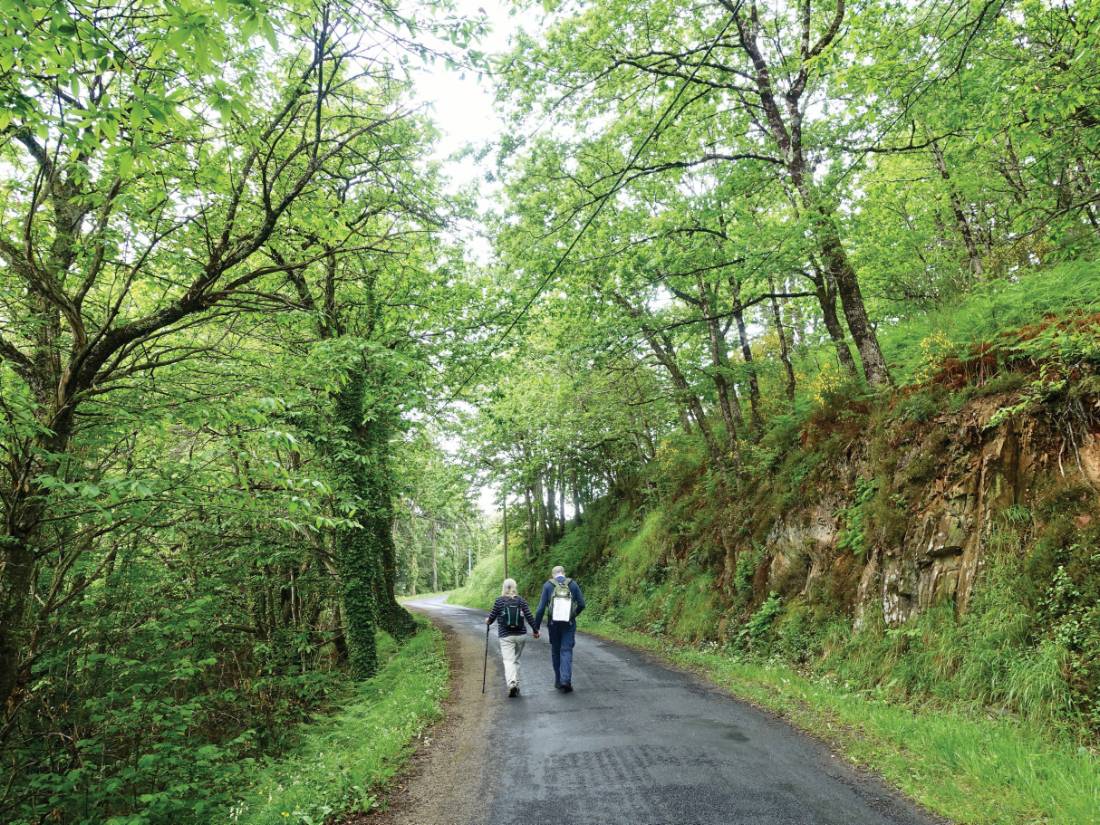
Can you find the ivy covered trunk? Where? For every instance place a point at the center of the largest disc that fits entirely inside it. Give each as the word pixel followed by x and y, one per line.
pixel 365 553
pixel 357 561
pixel 16 564
pixel 392 617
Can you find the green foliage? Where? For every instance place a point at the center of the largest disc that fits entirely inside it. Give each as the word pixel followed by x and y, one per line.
pixel 483 586
pixel 1026 644
pixel 344 760
pixel 853 535
pixel 747 563
pixel 753 632
pixel 993 312
pixel 222 290
pixel 234 330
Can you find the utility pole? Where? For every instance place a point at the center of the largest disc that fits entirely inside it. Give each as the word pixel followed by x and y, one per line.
pixel 435 561
pixel 504 525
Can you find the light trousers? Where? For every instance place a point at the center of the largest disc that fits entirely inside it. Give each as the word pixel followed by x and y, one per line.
pixel 511 648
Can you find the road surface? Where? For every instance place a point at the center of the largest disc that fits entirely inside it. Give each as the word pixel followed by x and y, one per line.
pixel 635 743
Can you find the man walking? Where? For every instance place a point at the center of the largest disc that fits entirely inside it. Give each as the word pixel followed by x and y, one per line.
pixel 563 597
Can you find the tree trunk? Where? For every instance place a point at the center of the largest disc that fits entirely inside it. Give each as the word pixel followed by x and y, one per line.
pixel 532 519
pixel 435 557
pixel 25 508
pixel 561 501
pixel 839 268
pixel 666 355
pixel 354 546
pixel 540 513
pixel 576 498
pixel 392 617
pixel 746 356
pixel 784 350
pixel 962 224
pixel 731 413
pixel 551 516
pixel 826 297
pixel 15 580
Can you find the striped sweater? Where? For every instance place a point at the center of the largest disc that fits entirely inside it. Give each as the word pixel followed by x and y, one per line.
pixel 497 615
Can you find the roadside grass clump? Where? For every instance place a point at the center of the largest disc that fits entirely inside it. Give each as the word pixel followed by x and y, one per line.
pixel 803 631
pixel 343 760
pixel 753 633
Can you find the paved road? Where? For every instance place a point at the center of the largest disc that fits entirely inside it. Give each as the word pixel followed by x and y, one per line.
pixel 639 743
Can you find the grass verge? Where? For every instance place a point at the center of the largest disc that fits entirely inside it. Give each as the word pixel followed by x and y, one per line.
pixel 969 767
pixel 345 759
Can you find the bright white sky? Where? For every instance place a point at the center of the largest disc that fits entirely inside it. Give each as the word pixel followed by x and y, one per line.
pixel 462 104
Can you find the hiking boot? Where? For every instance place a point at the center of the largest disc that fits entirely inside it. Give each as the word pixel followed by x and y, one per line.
pixel 513 691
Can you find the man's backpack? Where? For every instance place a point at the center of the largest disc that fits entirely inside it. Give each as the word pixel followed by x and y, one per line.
pixel 513 617
pixel 562 608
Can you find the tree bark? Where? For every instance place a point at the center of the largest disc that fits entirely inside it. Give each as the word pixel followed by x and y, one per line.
pixel 961 223
pixel 746 355
pixel 393 618
pixel 826 297
pixel 716 338
pixel 784 350
pixel 357 562
pixel 665 353
pixel 782 118
pixel 840 270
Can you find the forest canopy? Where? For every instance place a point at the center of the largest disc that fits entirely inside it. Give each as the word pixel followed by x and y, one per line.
pixel 252 376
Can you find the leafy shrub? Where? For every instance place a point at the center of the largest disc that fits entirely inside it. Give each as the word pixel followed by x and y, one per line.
pixel 753 632
pixel 853 534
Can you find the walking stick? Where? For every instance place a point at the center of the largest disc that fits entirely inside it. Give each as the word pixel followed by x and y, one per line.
pixel 485 665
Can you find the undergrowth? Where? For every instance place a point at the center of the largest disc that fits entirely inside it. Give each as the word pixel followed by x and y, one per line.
pixel 343 760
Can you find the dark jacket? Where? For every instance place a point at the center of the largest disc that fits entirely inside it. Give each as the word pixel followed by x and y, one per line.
pixel 497 614
pixel 548 593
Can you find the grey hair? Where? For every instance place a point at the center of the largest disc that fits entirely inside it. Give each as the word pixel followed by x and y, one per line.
pixel 557 571
pixel 509 588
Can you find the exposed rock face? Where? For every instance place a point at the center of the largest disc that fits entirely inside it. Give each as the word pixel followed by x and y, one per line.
pixel 802 548
pixel 947 522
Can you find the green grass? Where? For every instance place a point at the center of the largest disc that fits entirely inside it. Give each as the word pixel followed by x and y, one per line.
pixel 915 343
pixel 345 759
pixel 988 311
pixel 970 767
pixel 483 585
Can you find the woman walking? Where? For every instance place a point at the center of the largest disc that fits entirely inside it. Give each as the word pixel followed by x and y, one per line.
pixel 512 615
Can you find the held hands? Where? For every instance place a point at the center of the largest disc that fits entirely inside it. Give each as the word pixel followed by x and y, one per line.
pixel 536 633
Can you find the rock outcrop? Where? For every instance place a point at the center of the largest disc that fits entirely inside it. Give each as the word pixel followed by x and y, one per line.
pixel 981 468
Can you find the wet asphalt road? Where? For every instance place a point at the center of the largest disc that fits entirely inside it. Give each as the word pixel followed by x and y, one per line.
pixel 639 743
